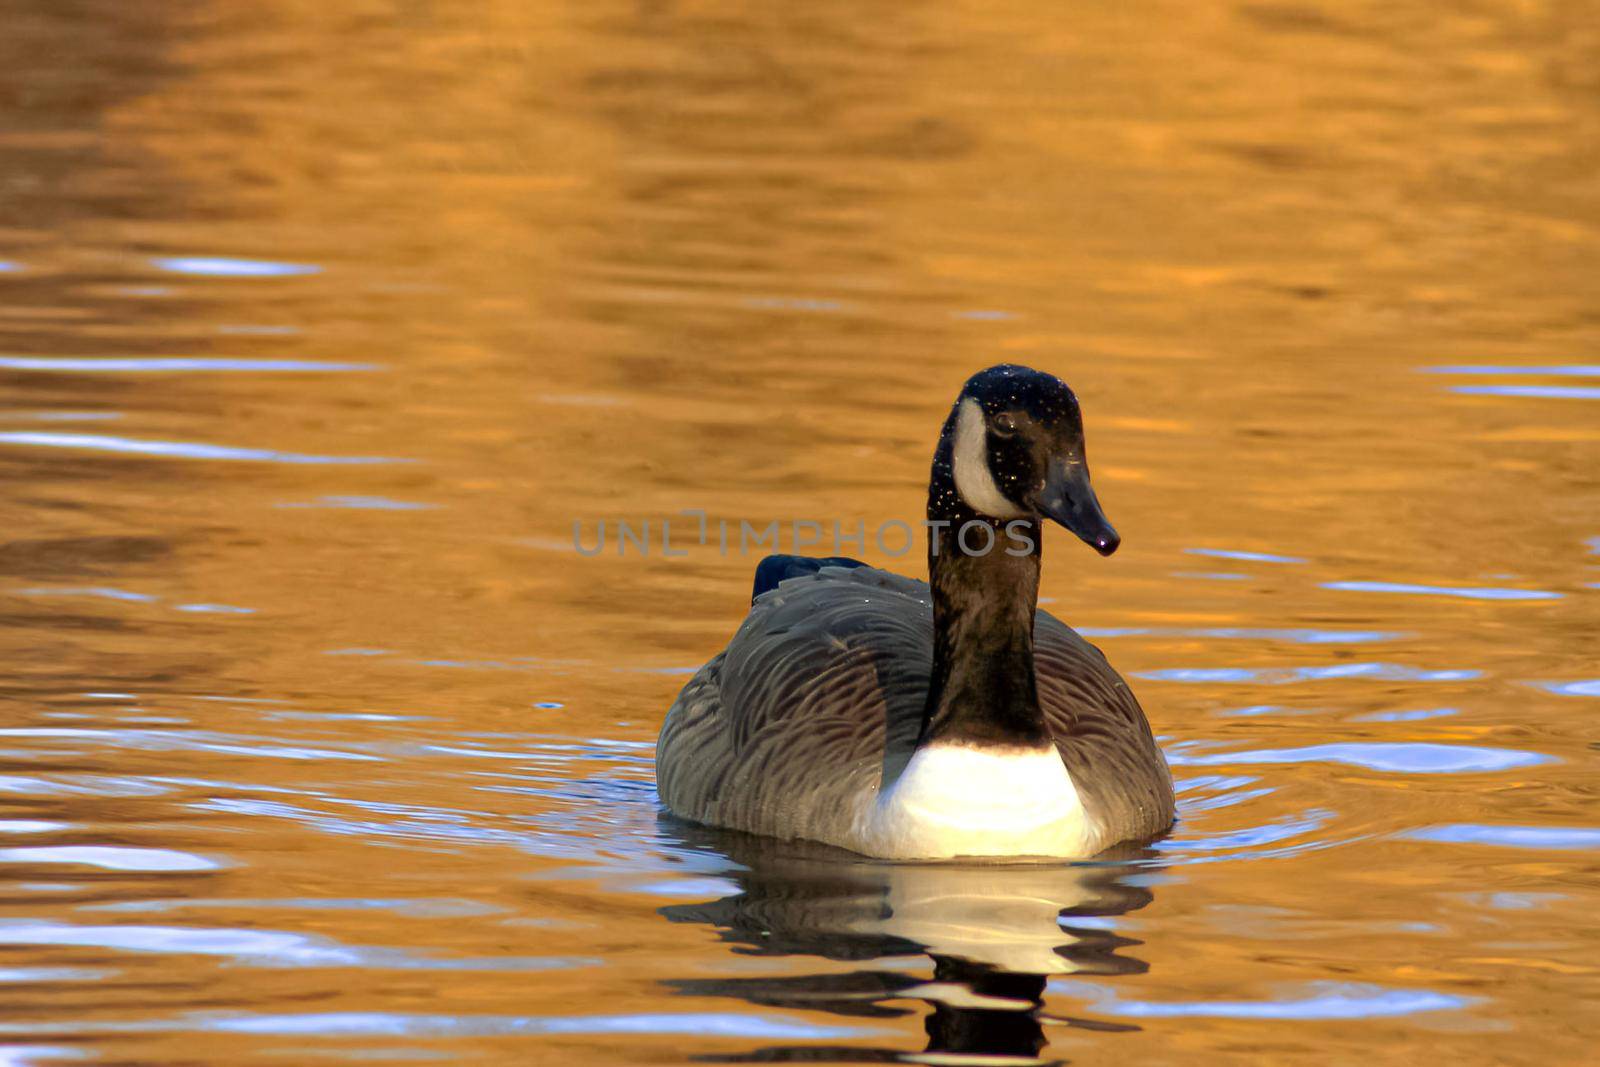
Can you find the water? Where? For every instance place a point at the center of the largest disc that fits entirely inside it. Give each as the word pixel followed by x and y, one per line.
pixel 320 326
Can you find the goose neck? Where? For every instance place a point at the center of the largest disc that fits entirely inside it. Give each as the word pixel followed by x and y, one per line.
pixel 983 690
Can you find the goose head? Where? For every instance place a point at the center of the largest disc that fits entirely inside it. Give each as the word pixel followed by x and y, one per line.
pixel 1017 452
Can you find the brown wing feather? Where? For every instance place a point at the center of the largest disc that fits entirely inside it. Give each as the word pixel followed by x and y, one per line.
pixel 1101 733
pixel 782 731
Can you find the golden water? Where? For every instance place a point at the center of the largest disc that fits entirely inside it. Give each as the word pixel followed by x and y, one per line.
pixel 310 760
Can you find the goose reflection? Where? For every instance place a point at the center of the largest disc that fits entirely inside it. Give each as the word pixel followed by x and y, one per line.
pixel 995 934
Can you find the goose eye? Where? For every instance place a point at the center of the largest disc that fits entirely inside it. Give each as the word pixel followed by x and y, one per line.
pixel 1004 424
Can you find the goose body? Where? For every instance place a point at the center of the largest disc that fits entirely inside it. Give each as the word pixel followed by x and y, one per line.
pixel 906 720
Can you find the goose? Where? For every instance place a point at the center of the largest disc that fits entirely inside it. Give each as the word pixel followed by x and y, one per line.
pixel 951 719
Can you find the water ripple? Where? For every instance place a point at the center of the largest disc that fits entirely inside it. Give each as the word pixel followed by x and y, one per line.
pixel 224 267
pixel 79 785
pixel 1484 593
pixel 164 364
pixel 1293 635
pixel 360 503
pixel 411 907
pixel 795 303
pixel 51 974
pixel 1252 711
pixel 1503 901
pixel 103 592
pixel 111 858
pixel 1191 806
pixel 1416 715
pixel 1389 672
pixel 270 948
pixel 32 1055
pixel 1296 636
pixel 177 449
pixel 424 829
pixel 1466 833
pixel 1550 370
pixel 696 1024
pixel 66 416
pixel 1560 392
pixel 1321 1000
pixel 1587 687
pixel 1275 832
pixel 187 741
pixel 1404 757
pixel 1253 557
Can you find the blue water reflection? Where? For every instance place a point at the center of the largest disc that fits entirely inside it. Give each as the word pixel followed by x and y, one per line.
pixel 1548 370
pixel 1588 687
pixel 1254 557
pixel 1319 1000
pixel 1481 593
pixel 1562 837
pixel 103 592
pixel 179 449
pixel 258 947
pixel 166 364
pixel 1292 635
pixel 1388 672
pixel 224 267
pixel 1402 757
pixel 360 503
pixel 111 857
pixel 1415 715
pixel 699 1024
pixel 1561 392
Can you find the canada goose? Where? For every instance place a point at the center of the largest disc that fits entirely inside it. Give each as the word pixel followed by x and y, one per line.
pixel 908 721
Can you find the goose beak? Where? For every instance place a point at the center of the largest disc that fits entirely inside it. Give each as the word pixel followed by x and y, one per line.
pixel 1069 499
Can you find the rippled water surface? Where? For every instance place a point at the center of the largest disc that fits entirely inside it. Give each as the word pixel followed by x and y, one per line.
pixel 321 324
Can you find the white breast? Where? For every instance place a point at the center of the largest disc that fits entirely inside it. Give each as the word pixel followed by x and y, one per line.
pixel 956 800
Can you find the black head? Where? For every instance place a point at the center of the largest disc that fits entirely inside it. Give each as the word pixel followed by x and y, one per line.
pixel 1017 452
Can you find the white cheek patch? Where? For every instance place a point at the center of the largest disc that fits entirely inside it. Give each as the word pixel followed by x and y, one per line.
pixel 974 481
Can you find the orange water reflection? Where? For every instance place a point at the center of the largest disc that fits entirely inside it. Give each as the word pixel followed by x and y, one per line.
pixel 311 759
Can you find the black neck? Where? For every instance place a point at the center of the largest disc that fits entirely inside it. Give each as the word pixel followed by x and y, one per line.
pixel 983 690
